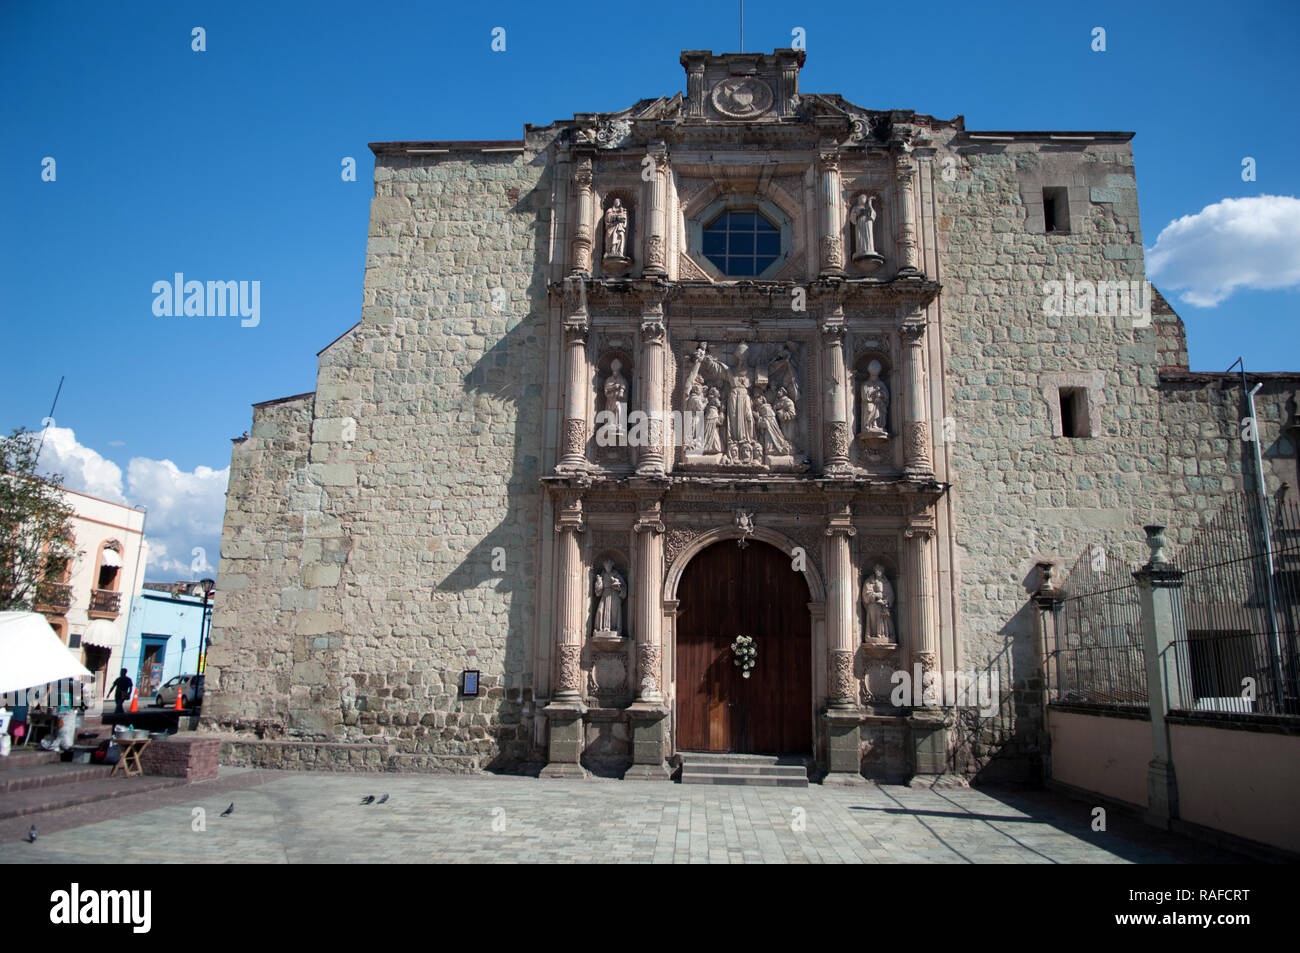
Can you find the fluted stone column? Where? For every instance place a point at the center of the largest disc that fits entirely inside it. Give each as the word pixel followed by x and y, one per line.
pixel 835 429
pixel 648 715
pixel 577 380
pixel 916 425
pixel 656 250
pixel 927 732
pixel 842 721
pixel 841 639
pixel 564 713
pixel 923 639
pixel 580 251
pixel 904 177
pixel 653 357
pixel 649 597
pixel 829 202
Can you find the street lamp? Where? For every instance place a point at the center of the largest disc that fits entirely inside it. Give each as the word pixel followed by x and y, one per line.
pixel 204 621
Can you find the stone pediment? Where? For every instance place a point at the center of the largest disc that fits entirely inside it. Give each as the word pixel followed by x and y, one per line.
pixel 742 87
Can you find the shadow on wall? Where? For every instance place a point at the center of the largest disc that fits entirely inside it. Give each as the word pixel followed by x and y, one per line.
pixel 508 379
pixel 1005 745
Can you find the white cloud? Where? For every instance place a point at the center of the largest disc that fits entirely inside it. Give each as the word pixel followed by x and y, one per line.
pixel 1233 244
pixel 185 508
pixel 82 468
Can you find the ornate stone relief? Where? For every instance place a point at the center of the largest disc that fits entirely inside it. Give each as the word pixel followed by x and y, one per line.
pixel 649 663
pixel 743 518
pixel 611 133
pixel 743 411
pixel 676 541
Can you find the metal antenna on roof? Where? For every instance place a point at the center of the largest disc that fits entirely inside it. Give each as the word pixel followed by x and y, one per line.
pixel 48 422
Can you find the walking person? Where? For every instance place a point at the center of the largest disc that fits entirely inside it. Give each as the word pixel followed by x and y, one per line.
pixel 121 691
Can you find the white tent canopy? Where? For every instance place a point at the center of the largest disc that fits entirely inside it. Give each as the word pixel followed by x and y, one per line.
pixel 32 654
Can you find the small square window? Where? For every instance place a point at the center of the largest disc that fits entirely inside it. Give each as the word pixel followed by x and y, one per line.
pixel 1056 210
pixel 1075 421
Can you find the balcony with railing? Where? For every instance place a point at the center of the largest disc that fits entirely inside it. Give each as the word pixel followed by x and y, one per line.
pixel 104 604
pixel 54 598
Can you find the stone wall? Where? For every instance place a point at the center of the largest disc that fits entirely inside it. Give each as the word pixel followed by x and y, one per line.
pixel 380 536
pixel 194 759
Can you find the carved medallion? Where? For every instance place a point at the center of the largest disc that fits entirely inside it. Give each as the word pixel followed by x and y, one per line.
pixel 742 97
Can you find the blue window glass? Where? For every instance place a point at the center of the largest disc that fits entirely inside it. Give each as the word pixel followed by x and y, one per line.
pixel 741 244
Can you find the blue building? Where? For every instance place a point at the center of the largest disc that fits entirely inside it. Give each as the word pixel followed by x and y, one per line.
pixel 162 638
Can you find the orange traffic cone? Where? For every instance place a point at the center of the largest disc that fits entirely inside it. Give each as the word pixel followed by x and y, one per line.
pixel 135 702
pixel 179 695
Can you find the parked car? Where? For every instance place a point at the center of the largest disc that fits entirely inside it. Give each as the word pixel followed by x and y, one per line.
pixel 166 697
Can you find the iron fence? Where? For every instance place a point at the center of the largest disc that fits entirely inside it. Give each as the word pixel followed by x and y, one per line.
pixel 1237 614
pixel 1098 657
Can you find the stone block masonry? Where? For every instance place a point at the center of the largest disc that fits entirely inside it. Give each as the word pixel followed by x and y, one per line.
pixel 194 759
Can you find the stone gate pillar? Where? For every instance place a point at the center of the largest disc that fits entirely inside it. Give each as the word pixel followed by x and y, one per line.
pixel 1158 583
pixel 577 379
pixel 836 436
pixel 829 200
pixel 916 426
pixel 564 713
pixel 653 356
pixel 649 714
pixel 843 714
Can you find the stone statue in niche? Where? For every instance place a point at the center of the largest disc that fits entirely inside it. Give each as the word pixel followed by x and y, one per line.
pixel 863 217
pixel 875 403
pixel 611 590
pixel 616 233
pixel 878 601
pixel 751 416
pixel 615 388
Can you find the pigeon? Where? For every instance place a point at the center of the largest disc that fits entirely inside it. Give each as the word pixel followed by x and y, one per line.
pixel 383 799
pixel 368 799
pixel 31 834
pixel 228 811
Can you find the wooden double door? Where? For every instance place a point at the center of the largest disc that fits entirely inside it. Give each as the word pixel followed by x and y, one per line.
pixel 725 591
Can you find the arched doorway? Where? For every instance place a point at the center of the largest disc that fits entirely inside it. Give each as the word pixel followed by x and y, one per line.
pixel 728 590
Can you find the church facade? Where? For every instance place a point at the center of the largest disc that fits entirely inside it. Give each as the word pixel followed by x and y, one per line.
pixel 710 425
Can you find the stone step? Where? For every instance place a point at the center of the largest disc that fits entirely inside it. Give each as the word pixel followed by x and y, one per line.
pixel 20 758
pixel 764 770
pixel 752 780
pixel 733 767
pixel 48 775
pixel 35 801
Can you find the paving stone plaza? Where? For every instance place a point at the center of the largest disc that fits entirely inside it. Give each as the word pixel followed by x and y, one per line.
pixel 313 817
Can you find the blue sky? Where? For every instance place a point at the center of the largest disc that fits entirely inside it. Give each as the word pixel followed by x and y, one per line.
pixel 225 164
